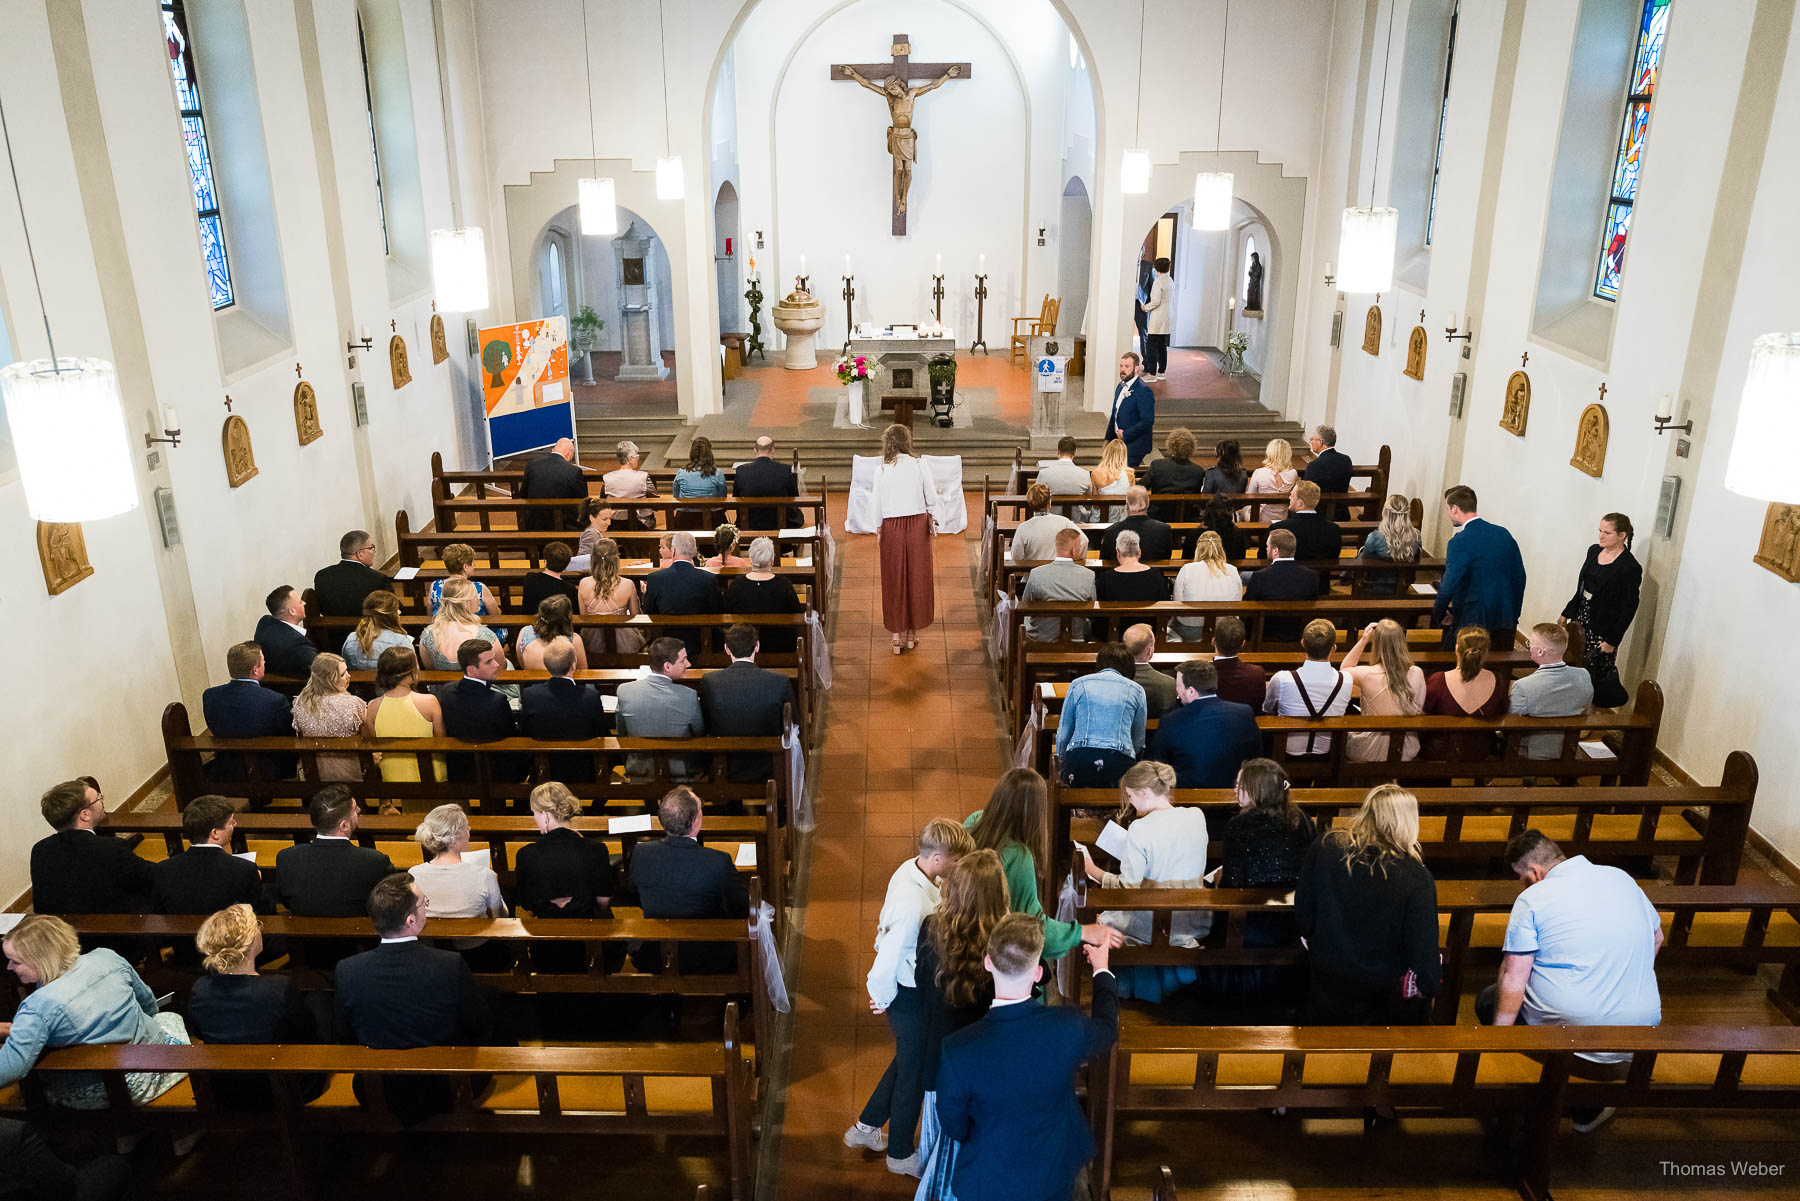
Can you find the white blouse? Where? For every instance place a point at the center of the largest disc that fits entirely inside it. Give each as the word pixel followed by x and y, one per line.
pixel 1164 848
pixel 904 488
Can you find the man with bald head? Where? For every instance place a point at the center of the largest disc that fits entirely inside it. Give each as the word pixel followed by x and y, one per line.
pixel 766 476
pixel 553 475
pixel 1155 537
pixel 682 588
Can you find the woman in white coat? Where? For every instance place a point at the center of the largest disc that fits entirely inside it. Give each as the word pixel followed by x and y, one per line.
pixel 904 498
pixel 1156 314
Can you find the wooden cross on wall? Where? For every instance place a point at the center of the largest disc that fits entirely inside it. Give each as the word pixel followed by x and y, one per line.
pixel 891 81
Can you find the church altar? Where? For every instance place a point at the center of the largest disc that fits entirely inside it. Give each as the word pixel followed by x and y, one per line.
pixel 903 380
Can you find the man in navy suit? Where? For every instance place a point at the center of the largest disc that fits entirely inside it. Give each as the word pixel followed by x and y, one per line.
pixel 1484 575
pixel 677 877
pixel 1207 738
pixel 1282 580
pixel 681 588
pixel 1330 467
pixel 282 634
pixel 474 712
pixel 206 877
pixel 1006 1087
pixel 553 475
pixel 745 701
pixel 1133 415
pixel 766 476
pixel 560 710
pixel 404 994
pixel 339 590
pixel 243 708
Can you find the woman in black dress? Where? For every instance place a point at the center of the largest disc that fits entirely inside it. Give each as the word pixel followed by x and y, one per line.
pixel 1367 907
pixel 233 1004
pixel 1131 580
pixel 1221 518
pixel 1175 474
pixel 760 590
pixel 1227 474
pixel 1605 601
pixel 1265 845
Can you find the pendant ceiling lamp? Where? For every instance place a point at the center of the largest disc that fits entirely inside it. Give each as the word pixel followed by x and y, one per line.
pixel 1134 168
pixel 1213 189
pixel 597 198
pixel 459 276
pixel 1768 423
pixel 670 184
pixel 67 421
pixel 1368 235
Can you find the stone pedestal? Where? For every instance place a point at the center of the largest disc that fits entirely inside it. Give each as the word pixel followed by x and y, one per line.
pixel 640 359
pixel 798 316
pixel 1048 401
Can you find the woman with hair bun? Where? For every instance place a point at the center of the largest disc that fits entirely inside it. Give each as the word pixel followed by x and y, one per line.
pixel 232 1003
pixel 725 546
pixel 1605 601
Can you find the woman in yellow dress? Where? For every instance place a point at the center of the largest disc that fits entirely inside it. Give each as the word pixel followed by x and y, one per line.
pixel 401 712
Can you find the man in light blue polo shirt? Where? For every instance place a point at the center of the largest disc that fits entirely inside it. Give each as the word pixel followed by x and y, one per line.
pixel 1580 950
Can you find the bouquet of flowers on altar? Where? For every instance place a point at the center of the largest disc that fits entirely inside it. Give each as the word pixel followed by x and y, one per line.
pixel 856 369
pixel 1236 343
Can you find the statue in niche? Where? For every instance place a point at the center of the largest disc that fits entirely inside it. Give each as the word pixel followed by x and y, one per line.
pixel 1518 404
pixel 1372 331
pixel 397 361
pixel 1590 441
pixel 1415 354
pixel 440 345
pixel 1779 547
pixel 1253 288
pixel 306 414
pixel 62 551
pixel 240 460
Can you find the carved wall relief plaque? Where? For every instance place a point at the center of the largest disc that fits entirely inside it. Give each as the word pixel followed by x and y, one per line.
pixel 63 553
pixel 240 461
pixel 306 414
pixel 1372 330
pixel 397 361
pixel 1590 441
pixel 1778 549
pixel 1415 353
pixel 1518 404
pixel 440 346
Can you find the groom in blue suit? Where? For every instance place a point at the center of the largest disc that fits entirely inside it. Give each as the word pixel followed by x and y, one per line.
pixel 1133 414
pixel 1484 575
pixel 1006 1085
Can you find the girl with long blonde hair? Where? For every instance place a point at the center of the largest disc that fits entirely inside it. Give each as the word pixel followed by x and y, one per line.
pixel 606 591
pixel 1396 539
pixel 326 709
pixel 456 622
pixel 1367 907
pixel 1392 686
pixel 1112 476
pixel 905 499
pixel 1210 577
pixel 377 629
pixel 1276 475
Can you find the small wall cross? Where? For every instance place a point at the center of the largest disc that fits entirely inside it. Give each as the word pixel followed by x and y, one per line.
pixel 1602 391
pixel 228 402
pixel 1524 358
pixel 394 326
pixel 297 374
pixel 1421 316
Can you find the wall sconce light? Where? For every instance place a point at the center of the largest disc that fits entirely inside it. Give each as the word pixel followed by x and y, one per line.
pixel 1330 278
pixel 171 428
pixel 355 344
pixel 1665 424
pixel 1452 333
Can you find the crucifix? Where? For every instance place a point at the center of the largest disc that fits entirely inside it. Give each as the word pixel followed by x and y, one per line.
pixel 1524 358
pixel 1602 391
pixel 902 139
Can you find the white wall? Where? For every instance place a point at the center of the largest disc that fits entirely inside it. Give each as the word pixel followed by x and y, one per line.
pixel 106 191
pixel 1705 274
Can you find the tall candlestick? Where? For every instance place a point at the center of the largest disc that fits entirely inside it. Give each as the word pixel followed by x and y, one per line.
pixel 847 270
pixel 803 264
pixel 940 264
pixel 981 262
pixel 1231 302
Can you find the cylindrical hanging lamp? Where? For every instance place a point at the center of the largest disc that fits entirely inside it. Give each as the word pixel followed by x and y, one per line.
pixel 459 269
pixel 1761 463
pixel 68 428
pixel 1366 249
pixel 1134 174
pixel 599 207
pixel 1212 200
pixel 670 181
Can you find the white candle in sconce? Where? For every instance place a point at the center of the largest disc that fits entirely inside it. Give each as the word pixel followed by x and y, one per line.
pixel 1231 303
pixel 940 265
pixel 981 262
pixel 847 270
pixel 170 421
pixel 1453 324
pixel 365 333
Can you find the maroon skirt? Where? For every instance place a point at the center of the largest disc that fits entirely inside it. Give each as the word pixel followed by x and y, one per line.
pixel 906 573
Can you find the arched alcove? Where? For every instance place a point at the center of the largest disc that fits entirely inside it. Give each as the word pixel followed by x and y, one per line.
pixel 572 271
pixel 727 243
pixel 1075 237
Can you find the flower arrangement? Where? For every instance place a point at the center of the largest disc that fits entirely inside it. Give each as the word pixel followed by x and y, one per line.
pixel 1236 343
pixel 856 369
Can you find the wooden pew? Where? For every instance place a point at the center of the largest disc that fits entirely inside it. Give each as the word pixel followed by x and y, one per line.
pixel 1739 926
pixel 510 477
pixel 1054 669
pixel 527 974
pixel 486 793
pixel 508 583
pixel 1352 575
pixel 491 546
pixel 538 1090
pixel 447 509
pixel 1164 1073
pixel 1632 737
pixel 501 835
pixel 1470 827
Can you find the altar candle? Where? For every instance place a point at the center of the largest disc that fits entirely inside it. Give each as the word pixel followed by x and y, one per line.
pixel 981 262
pixel 803 264
pixel 940 264
pixel 1231 303
pixel 847 270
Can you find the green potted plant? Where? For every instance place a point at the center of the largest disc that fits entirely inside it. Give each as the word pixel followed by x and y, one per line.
pixel 584 337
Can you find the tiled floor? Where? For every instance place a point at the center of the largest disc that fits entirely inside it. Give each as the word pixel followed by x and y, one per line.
pixel 907 738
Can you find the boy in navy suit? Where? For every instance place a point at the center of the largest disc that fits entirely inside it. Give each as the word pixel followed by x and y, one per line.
pixel 1484 575
pixel 1006 1085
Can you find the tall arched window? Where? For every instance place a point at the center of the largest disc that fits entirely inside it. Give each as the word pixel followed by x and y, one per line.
pixel 362 45
pixel 200 169
pixel 1437 158
pixel 556 288
pixel 1646 65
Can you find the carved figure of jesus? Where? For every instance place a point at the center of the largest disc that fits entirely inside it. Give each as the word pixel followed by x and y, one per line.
pixel 902 138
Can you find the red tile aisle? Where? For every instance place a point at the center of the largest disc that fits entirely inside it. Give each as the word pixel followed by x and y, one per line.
pixel 907 738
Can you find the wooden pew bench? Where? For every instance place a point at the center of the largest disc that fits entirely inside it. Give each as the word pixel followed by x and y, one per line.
pixel 490 791
pixel 690 1093
pixel 1351 574
pixel 492 512
pixel 1469 827
pixel 1705 926
pixel 1631 738
pixel 1164 1073
pixel 508 584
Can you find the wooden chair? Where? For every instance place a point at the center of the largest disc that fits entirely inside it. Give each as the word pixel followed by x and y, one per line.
pixel 1038 326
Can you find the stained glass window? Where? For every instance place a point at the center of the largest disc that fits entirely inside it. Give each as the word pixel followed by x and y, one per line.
pixel 1645 67
pixel 374 145
pixel 1437 158
pixel 193 129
